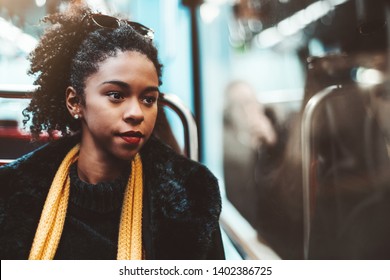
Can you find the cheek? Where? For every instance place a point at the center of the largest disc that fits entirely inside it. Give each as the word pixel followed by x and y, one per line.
pixel 151 119
pixel 97 117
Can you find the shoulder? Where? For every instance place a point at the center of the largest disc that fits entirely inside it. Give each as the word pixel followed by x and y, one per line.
pixel 52 152
pixel 34 166
pixel 180 179
pixel 170 163
pixel 24 184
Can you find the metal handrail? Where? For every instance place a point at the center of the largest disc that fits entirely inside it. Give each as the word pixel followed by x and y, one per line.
pixel 5 161
pixel 17 91
pixel 244 236
pixel 306 133
pixel 188 121
pixel 169 100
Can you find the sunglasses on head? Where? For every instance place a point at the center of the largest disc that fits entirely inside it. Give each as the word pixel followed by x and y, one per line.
pixel 106 21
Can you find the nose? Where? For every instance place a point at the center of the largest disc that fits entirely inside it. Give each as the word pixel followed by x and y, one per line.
pixel 133 112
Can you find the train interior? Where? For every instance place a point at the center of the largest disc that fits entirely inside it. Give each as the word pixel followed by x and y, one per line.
pixel 287 102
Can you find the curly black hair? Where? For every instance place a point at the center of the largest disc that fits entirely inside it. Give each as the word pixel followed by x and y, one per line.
pixel 67 54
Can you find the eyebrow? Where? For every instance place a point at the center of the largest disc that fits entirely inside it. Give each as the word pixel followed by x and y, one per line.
pixel 128 87
pixel 118 83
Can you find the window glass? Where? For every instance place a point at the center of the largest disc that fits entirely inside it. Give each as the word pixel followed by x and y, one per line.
pixel 266 71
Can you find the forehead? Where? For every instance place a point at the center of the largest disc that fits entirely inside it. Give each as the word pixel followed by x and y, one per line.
pixel 126 65
pixel 129 60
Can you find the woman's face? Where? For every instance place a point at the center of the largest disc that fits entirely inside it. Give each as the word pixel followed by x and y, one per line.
pixel 120 108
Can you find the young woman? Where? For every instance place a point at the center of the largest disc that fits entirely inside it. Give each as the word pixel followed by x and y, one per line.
pixel 107 189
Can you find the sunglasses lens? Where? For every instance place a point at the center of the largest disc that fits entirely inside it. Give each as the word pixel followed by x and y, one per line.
pixel 105 21
pixel 141 29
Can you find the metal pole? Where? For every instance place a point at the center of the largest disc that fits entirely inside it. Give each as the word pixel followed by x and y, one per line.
pixel 196 69
pixel 306 134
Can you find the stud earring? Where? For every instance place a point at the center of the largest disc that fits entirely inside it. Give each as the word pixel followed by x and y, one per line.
pixel 76 116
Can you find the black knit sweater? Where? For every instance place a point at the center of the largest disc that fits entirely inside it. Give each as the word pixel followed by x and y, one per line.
pixel 94 209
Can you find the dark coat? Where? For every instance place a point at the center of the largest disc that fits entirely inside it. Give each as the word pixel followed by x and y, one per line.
pixel 181 205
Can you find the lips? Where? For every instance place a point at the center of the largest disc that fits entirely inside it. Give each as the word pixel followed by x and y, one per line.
pixel 132 137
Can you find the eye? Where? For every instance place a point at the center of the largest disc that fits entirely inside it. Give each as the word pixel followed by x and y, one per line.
pixel 115 95
pixel 149 100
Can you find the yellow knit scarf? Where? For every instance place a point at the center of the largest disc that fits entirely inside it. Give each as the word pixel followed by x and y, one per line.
pixel 52 219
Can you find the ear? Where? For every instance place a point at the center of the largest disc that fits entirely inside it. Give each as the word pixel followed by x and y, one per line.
pixel 73 103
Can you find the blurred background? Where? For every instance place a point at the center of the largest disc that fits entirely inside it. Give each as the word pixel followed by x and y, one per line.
pixel 247 69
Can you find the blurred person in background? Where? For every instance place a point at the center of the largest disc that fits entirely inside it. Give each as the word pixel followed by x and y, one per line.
pixel 247 130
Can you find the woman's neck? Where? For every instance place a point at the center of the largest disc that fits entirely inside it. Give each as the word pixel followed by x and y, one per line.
pixel 93 167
